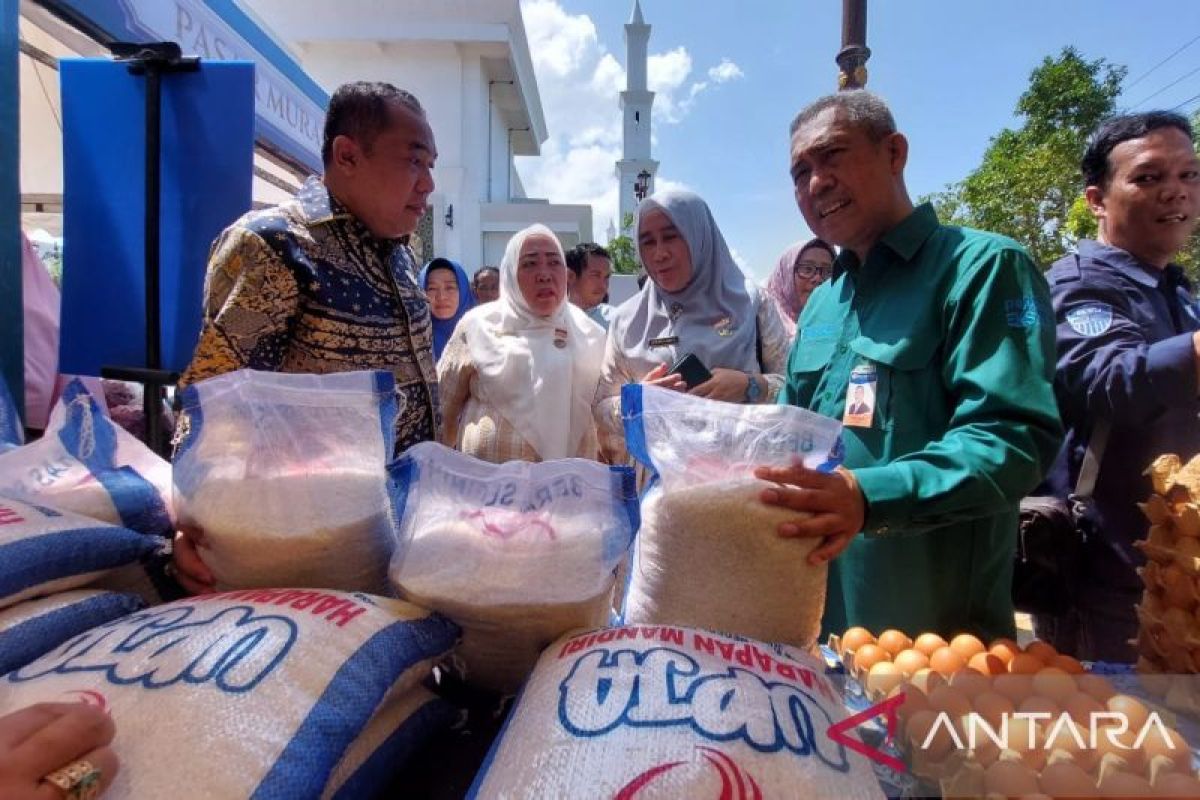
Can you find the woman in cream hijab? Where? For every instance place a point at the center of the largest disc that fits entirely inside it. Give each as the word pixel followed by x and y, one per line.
pixel 518 376
pixel 698 302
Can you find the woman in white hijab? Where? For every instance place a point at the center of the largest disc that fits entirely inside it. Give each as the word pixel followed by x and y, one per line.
pixel 518 376
pixel 698 302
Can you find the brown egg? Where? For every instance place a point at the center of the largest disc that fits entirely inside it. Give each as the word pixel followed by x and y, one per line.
pixel 970 683
pixel 1055 684
pixel 1010 779
pixel 928 643
pixel 1168 743
pixel 1015 687
pixel 883 677
pixel 868 656
pixel 918 731
pixel 1043 651
pixel 1063 735
pixel 911 660
pixel 966 646
pixel 1176 784
pixel 1066 779
pixel 856 638
pixel 1081 707
pixel 992 708
pixel 1125 785
pixel 951 701
pixel 1004 649
pixel 946 661
pixel 1069 665
pixel 927 680
pixel 1122 746
pixel 1131 709
pixel 1026 737
pixel 1025 664
pixel 914 701
pixel 987 664
pixel 1097 686
pixel 1036 704
pixel 893 641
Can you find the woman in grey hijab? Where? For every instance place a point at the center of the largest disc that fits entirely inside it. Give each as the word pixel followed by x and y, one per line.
pixel 698 302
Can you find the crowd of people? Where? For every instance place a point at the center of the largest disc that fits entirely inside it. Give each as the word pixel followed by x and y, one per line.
pixel 955 365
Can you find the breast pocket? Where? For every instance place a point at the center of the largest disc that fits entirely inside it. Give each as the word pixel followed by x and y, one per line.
pixel 908 383
pixel 809 362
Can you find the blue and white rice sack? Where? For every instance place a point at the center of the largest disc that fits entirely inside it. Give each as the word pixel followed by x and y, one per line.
pixel 256 694
pixel 400 727
pixel 45 550
pixel 285 477
pixel 657 711
pixel 517 553
pixel 33 628
pixel 87 464
pixel 709 553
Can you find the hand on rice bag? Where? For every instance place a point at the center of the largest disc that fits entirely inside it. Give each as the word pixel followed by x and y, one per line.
pixel 52 750
pixel 833 499
pixel 188 567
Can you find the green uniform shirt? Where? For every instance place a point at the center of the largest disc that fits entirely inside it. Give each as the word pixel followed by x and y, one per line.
pixel 956 326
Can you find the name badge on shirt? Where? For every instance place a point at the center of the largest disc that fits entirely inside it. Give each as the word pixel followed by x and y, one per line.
pixel 860 397
pixel 560 338
pixel 665 341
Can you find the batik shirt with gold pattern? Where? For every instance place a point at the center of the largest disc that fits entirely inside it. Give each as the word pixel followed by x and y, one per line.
pixel 305 287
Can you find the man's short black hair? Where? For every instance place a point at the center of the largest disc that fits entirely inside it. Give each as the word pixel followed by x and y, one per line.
pixel 1112 132
pixel 360 110
pixel 481 271
pixel 863 109
pixel 577 256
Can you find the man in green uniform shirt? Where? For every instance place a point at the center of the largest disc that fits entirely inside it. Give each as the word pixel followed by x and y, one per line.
pixel 948 332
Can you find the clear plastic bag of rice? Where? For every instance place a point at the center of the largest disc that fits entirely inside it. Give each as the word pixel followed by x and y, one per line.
pixel 517 554
pixel 88 465
pixel 709 553
pixel 283 478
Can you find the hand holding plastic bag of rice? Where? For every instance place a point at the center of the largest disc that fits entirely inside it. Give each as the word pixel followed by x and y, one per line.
pixel 87 464
pixel 283 477
pixel 517 554
pixel 670 712
pixel 709 553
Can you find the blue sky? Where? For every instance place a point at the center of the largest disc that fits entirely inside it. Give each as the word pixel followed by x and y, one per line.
pixel 732 74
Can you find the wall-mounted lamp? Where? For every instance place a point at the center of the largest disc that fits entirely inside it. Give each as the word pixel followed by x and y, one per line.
pixel 449 218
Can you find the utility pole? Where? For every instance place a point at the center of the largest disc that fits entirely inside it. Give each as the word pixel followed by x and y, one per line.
pixel 852 58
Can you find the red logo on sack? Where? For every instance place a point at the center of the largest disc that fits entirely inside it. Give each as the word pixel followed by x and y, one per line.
pixel 838 732
pixel 736 782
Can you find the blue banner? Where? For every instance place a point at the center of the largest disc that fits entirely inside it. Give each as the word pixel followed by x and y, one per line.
pixel 206 173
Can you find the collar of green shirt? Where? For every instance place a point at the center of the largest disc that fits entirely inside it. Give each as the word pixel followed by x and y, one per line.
pixel 904 240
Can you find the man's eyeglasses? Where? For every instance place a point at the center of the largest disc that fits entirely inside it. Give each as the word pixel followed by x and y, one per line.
pixel 812 269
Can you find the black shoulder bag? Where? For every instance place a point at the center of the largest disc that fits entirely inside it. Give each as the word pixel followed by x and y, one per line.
pixel 1051 537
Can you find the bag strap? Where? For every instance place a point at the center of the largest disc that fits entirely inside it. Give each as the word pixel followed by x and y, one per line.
pixel 1089 469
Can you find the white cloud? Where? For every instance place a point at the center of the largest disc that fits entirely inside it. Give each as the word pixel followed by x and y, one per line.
pixel 580 82
pixel 725 71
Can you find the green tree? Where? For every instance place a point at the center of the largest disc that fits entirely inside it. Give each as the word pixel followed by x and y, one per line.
pixel 1028 182
pixel 620 249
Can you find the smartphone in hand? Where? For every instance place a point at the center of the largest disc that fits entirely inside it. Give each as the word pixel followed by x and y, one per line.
pixel 691 369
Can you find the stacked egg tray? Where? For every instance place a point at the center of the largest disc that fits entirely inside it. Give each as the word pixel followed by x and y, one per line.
pixel 1168 640
pixel 944 682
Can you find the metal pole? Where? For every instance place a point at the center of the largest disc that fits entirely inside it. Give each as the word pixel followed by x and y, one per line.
pixel 852 58
pixel 12 307
pixel 151 394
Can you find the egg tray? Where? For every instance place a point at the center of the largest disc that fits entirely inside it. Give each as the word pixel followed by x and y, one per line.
pixel 859 676
pixel 1174 479
pixel 966 778
pixel 1176 651
pixel 1165 555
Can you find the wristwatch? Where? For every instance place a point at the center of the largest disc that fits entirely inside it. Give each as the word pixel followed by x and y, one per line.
pixel 753 390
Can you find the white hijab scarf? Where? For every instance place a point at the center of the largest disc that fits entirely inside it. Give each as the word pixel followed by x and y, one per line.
pixel 543 389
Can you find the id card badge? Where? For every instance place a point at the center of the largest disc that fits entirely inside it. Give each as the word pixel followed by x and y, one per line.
pixel 860 397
